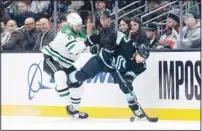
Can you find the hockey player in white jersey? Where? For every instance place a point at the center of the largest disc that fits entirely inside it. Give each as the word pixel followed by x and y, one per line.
pixel 59 56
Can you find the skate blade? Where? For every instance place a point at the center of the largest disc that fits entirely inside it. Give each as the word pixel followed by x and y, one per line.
pixel 76 117
pixel 141 119
pixel 137 119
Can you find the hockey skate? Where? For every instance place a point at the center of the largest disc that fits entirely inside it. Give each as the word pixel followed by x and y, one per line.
pixel 139 114
pixel 75 113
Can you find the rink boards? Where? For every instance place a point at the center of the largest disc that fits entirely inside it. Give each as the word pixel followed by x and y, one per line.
pixel 169 88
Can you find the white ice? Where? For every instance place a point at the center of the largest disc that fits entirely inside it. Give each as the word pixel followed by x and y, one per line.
pixel 62 123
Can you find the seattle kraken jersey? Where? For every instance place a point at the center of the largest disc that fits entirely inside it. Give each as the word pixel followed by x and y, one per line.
pixel 121 57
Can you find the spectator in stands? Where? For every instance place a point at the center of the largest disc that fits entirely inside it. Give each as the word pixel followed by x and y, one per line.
pixel 100 5
pixel 38 26
pixel 86 6
pixel 105 19
pixel 10 10
pixel 89 28
pixel 7 30
pixel 151 33
pixel 136 33
pixel 167 40
pixel 153 5
pixel 23 9
pixel 45 36
pixel 191 32
pixel 61 21
pixel 125 25
pixel 22 39
pixel 193 5
pixel 105 33
pixel 84 14
pixel 75 5
pixel 5 35
pixel 11 26
pixel 39 6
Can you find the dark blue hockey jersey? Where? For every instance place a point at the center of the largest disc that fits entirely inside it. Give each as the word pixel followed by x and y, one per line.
pixel 120 53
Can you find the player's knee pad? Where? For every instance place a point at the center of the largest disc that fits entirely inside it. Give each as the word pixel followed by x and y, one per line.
pixel 60 78
pixel 125 89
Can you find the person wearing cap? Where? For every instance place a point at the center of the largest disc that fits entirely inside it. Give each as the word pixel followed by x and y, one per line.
pixel 150 30
pixel 105 31
pixel 105 18
pixel 100 5
pixel 191 32
pixel 167 40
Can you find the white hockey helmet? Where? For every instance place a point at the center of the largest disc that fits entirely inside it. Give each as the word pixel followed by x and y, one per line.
pixel 74 19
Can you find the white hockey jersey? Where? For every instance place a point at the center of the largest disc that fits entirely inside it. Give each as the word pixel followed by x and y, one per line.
pixel 64 49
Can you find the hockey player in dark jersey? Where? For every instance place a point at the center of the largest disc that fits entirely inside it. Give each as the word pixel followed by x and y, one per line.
pixel 128 57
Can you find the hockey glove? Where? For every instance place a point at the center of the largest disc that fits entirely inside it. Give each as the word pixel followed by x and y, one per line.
pixel 92 40
pixel 128 82
pixel 95 49
pixel 127 86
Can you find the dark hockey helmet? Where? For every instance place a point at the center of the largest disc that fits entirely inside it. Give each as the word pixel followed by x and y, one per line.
pixel 143 50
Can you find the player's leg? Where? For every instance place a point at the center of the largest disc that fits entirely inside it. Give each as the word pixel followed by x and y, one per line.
pixel 89 70
pixel 76 91
pixel 58 74
pixel 131 98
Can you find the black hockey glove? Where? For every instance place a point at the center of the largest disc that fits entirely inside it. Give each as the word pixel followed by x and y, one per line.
pixel 128 77
pixel 95 49
pixel 93 40
pixel 128 82
pixel 127 86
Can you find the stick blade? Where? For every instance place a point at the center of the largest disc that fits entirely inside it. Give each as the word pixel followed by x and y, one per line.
pixel 152 119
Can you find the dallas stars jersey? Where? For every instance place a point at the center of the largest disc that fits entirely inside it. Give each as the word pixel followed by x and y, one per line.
pixel 65 49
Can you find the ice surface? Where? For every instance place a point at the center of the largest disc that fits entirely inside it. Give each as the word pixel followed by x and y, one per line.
pixel 62 123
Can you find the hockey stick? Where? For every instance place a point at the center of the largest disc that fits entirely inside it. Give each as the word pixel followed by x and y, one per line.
pixel 150 119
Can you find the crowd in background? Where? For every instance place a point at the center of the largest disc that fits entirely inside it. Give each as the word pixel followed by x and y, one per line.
pixel 28 25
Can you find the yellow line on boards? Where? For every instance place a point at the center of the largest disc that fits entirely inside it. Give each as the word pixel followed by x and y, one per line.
pixel 100 112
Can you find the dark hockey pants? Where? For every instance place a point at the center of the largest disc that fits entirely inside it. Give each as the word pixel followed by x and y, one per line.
pixel 94 66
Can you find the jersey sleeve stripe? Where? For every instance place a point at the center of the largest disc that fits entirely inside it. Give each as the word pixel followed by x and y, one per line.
pixel 70 43
pixel 72 46
pixel 61 55
pixel 56 55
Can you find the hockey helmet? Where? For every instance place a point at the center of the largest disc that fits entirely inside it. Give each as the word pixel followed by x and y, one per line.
pixel 74 19
pixel 143 50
